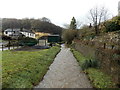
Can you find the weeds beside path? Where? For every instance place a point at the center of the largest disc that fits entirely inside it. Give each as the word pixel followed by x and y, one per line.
pixel 91 67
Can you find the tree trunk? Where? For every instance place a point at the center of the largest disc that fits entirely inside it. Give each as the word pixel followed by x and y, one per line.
pixel 96 30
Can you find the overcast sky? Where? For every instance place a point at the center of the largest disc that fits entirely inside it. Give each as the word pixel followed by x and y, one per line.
pixel 58 11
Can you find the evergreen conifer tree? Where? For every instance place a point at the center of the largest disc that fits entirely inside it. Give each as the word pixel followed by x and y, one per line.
pixel 73 24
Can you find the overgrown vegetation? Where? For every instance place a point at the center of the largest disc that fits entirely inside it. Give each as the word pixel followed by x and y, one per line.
pixel 25 69
pixel 86 33
pixel 84 62
pixel 69 35
pixel 113 24
pixel 91 67
pixel 102 34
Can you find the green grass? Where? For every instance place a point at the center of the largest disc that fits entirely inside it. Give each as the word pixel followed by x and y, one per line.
pixel 24 69
pixel 83 61
pixel 0 40
pixel 99 79
pixel 80 58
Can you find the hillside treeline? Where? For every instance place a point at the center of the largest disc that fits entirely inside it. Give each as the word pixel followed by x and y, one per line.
pixel 38 25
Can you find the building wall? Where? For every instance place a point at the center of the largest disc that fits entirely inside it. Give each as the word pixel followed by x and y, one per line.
pixel 16 32
pixel 40 34
pixel 28 34
pixel 8 33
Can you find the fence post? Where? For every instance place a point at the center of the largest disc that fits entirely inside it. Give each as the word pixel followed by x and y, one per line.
pixel 104 45
pixel 17 43
pixel 13 45
pixel 45 42
pixel 112 46
pixel 9 45
pixel 2 47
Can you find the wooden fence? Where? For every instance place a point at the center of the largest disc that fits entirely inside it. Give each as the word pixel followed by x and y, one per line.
pixel 9 45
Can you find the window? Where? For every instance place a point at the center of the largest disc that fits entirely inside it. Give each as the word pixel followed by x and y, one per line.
pixel 6 32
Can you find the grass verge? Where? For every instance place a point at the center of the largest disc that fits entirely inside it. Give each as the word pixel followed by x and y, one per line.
pixel 97 77
pixel 80 58
pixel 23 69
pixel 83 61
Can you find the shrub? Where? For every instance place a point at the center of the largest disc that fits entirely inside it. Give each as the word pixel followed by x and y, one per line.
pixel 69 35
pixel 28 41
pixel 89 63
pixel 86 32
pixel 113 24
pixel 6 37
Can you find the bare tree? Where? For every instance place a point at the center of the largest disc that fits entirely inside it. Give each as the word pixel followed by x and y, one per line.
pixel 98 15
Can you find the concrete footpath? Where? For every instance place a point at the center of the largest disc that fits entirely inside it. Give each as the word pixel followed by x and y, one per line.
pixel 64 72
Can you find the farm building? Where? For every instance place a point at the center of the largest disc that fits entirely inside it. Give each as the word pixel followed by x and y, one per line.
pixel 45 40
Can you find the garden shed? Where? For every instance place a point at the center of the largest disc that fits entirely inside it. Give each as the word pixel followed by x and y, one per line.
pixel 53 38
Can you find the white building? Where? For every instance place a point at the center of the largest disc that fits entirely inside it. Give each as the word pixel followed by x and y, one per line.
pixel 17 32
pixel 28 33
pixel 12 32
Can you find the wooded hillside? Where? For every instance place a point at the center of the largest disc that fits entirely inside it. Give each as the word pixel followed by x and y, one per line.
pixel 39 25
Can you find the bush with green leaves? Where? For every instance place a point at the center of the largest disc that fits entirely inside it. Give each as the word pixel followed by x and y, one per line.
pixel 113 24
pixel 6 37
pixel 26 41
pixel 89 63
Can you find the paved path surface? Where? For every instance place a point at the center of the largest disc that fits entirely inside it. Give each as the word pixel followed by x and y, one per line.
pixel 64 73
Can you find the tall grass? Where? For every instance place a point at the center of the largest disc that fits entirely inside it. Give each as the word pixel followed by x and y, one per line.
pixel 91 67
pixel 23 69
pixel 83 61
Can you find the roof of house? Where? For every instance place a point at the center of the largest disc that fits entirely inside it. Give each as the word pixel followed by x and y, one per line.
pixel 10 30
pixel 23 30
pixel 29 31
